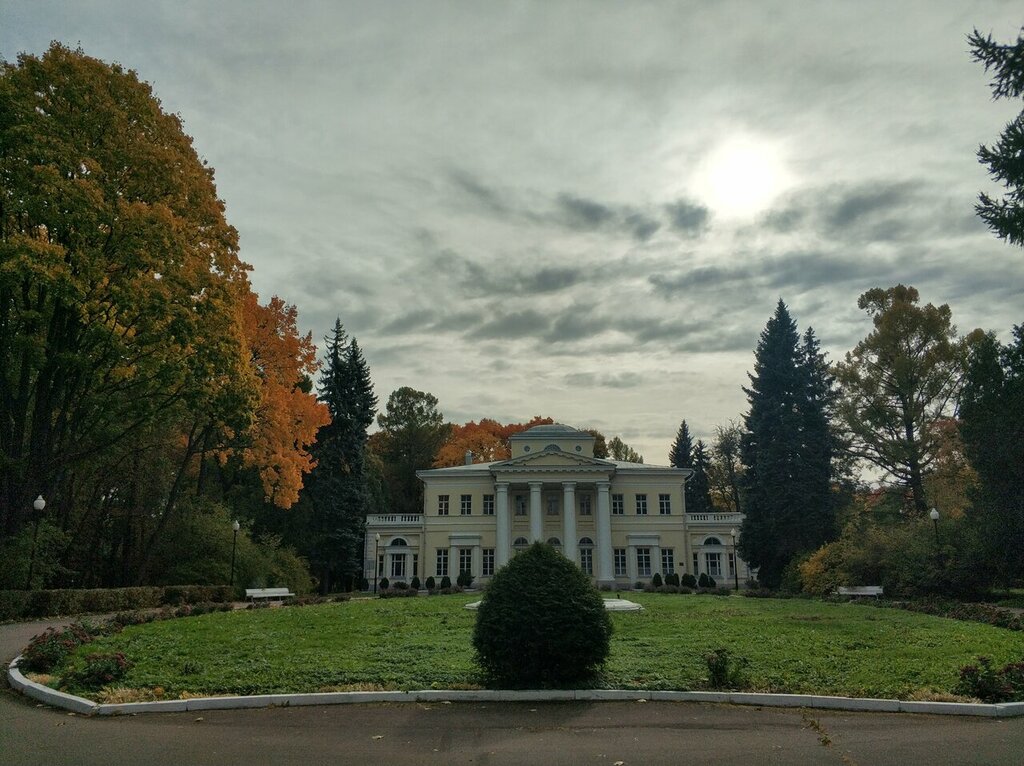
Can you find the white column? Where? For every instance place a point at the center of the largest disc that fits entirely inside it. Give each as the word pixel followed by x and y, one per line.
pixel 569 520
pixel 536 520
pixel 503 531
pixel 453 563
pixel 605 562
pixel 631 570
pixel 656 560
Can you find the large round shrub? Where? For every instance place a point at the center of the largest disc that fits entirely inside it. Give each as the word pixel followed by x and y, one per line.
pixel 541 623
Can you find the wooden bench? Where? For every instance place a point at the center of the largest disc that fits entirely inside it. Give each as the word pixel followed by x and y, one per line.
pixel 859 590
pixel 270 594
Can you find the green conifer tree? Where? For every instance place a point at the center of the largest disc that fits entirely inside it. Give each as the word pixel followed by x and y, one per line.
pixel 698 486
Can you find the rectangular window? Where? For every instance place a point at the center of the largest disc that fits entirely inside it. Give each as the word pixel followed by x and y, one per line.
pixel 442 562
pixel 732 563
pixel 585 505
pixel 641 505
pixel 696 567
pixel 520 505
pixel 620 562
pixel 398 565
pixel 664 504
pixel 643 562
pixel 668 561
pixel 552 506
pixel 618 505
pixel 487 568
pixel 466 505
pixel 442 505
pixel 488 505
pixel 415 565
pixel 465 559
pixel 380 565
pixel 714 564
pixel 587 560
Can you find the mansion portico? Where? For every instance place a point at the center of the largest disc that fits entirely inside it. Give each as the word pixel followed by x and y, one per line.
pixel 621 522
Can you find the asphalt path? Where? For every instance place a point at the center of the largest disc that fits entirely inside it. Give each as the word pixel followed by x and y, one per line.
pixel 601 733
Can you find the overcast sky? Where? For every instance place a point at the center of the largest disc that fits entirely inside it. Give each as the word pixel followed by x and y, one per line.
pixel 583 210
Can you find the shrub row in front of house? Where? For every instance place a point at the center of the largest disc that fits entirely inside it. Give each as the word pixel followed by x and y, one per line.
pixel 21 604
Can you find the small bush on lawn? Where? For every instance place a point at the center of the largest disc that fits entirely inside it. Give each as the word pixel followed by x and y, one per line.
pixel 656 581
pixel 385 583
pixel 446 582
pixel 430 583
pixel 415 583
pixel 397 592
pixel 688 581
pixel 541 623
pixel 672 579
pixel 465 579
pixel 401 585
pixel 48 649
pixel 990 685
pixel 726 671
pixel 100 669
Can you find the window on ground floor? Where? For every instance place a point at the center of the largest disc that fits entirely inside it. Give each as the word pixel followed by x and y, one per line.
pixel 380 565
pixel 415 565
pixel 465 559
pixel 587 560
pixel 520 544
pixel 442 562
pixel 398 565
pixel 714 563
pixel 696 566
pixel 620 562
pixel 732 563
pixel 668 561
pixel 643 562
pixel 487 562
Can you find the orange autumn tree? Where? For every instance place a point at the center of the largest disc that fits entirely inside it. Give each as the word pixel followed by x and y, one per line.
pixel 288 417
pixel 488 440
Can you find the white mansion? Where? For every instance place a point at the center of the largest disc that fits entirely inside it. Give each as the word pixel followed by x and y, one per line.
pixel 621 522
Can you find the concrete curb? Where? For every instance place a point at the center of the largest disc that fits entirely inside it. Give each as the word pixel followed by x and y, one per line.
pixel 857 704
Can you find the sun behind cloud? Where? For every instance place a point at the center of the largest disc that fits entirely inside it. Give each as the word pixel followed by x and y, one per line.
pixel 741 176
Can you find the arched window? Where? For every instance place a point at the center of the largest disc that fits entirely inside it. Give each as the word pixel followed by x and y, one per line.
pixel 586 541
pixel 554 541
pixel 712 541
pixel 521 542
pixel 398 541
pixel 552 448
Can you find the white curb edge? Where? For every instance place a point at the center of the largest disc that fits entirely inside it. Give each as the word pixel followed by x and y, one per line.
pixel 860 704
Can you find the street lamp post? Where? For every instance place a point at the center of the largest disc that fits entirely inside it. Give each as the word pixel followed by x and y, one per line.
pixel 376 572
pixel 933 514
pixel 39 504
pixel 735 560
pixel 234 547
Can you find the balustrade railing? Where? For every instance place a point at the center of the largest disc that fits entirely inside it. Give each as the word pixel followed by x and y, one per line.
pixel 391 519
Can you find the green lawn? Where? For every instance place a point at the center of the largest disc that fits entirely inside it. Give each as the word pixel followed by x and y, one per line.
pixel 793 646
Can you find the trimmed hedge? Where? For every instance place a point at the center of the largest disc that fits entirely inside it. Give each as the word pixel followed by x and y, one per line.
pixel 20 604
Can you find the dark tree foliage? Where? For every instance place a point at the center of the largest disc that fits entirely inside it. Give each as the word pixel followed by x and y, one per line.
pixel 337 493
pixel 698 486
pixel 992 425
pixel 681 453
pixel 412 431
pixel 541 623
pixel 788 505
pixel 1004 216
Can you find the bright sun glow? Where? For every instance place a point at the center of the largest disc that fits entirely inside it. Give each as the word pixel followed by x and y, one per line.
pixel 741 177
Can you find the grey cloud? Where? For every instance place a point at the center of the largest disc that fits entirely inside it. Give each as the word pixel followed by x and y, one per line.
pixel 859 204
pixel 580 213
pixel 613 380
pixel 550 279
pixel 485 196
pixel 687 218
pixel 576 324
pixel 642 226
pixel 410 321
pixel 514 325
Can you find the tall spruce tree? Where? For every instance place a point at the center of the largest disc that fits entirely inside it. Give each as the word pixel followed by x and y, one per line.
pixel 698 486
pixel 681 453
pixel 788 507
pixel 337 488
pixel 992 425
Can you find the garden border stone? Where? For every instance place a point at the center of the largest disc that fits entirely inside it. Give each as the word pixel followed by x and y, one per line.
pixel 860 704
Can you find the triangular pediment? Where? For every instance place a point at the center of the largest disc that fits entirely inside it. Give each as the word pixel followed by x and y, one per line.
pixel 552 459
